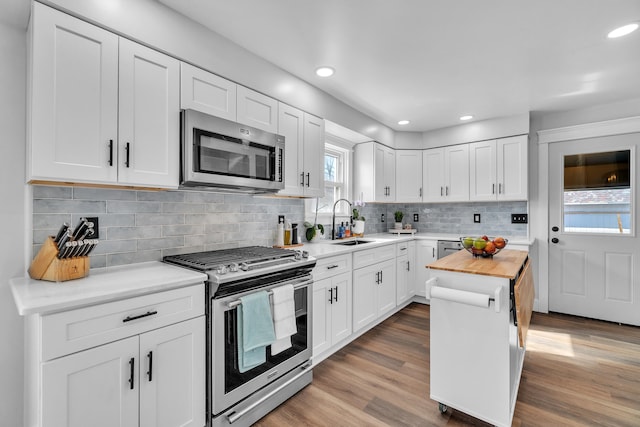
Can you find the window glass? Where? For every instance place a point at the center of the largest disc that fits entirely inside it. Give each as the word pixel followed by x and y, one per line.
pixel 597 193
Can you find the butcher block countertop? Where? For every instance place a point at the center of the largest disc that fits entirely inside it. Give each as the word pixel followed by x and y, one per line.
pixel 506 264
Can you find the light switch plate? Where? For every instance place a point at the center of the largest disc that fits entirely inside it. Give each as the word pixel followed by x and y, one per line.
pixel 519 218
pixel 476 218
pixel 415 218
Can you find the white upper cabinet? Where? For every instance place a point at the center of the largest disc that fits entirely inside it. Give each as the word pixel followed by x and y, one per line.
pixel 408 176
pixel 74 99
pixel 149 117
pixel 205 92
pixel 446 174
pixel 499 169
pixel 257 110
pixel 304 152
pixel 100 112
pixel 374 172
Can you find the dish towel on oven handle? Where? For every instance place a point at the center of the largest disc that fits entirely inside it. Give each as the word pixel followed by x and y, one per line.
pixel 255 330
pixel 284 318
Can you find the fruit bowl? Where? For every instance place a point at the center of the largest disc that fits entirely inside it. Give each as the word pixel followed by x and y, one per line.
pixel 483 246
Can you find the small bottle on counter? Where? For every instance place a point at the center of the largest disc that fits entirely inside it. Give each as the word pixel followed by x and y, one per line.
pixel 294 234
pixel 287 232
pixel 280 234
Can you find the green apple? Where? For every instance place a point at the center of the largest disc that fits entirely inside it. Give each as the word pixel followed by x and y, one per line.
pixel 479 243
pixel 467 242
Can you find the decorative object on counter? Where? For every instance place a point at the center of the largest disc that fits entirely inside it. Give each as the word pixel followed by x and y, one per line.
pixel 399 231
pixel 407 227
pixel 314 232
pixel 280 233
pixel 64 256
pixel 398 215
pixel 483 246
pixel 358 220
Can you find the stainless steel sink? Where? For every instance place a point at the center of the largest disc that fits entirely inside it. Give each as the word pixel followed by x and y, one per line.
pixel 353 242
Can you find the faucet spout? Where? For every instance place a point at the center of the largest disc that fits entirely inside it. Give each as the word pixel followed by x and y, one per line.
pixel 333 217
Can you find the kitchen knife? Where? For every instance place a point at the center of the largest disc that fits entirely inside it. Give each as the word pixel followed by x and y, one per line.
pixel 64 252
pixel 77 249
pixel 94 243
pixel 64 239
pixel 61 232
pixel 80 228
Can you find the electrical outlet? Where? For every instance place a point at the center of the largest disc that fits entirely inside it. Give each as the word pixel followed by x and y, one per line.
pixel 381 217
pixel 415 218
pixel 519 218
pixel 96 231
pixel 476 218
pixel 280 219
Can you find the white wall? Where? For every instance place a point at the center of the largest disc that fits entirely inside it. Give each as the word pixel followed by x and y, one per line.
pixel 12 216
pixel 151 23
pixel 477 131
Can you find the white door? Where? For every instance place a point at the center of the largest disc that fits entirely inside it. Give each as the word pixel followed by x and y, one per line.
pixel 365 284
pixel 322 298
pixel 340 308
pixel 433 175
pixel 456 172
pixel 257 110
pixel 313 156
pixel 390 173
pixel 172 381
pixel 512 167
pixel 426 253
pixel 402 276
pixel 291 126
pixel 92 387
pixel 203 91
pixel 149 117
pixel 409 176
pixel 74 105
pixel 594 251
pixel 387 287
pixel 482 171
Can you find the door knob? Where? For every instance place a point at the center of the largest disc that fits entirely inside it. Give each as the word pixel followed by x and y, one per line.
pixel 555 240
pixel 555 228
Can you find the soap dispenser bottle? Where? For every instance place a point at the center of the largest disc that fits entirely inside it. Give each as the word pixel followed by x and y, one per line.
pixel 280 233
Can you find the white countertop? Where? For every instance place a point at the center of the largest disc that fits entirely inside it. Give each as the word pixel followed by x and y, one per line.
pixel 326 247
pixel 101 285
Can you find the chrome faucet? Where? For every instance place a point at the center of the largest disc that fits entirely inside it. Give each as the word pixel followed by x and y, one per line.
pixel 333 218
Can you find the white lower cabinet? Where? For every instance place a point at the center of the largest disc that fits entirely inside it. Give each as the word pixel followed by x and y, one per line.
pixel 153 374
pixel 426 253
pixel 374 292
pixel 405 272
pixel 331 312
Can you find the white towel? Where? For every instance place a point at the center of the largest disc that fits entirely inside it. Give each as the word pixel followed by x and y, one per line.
pixel 284 318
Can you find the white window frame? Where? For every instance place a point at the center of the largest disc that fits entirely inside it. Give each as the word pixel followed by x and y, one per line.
pixel 344 150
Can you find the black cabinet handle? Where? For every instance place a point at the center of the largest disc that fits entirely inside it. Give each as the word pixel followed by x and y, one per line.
pixel 331 295
pixel 377 277
pixel 302 179
pixel 140 316
pixel 408 266
pixel 381 277
pixel 336 294
pixel 126 159
pixel 307 179
pixel 131 368
pixel 150 371
pixel 493 189
pixel 331 267
pixel 111 152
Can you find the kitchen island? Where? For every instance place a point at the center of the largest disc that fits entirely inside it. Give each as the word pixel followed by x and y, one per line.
pixel 480 313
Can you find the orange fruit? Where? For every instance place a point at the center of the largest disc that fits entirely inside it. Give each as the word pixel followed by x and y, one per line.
pixel 499 242
pixel 490 248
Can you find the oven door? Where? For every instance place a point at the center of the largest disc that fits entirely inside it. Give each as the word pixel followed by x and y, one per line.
pixel 219 152
pixel 228 384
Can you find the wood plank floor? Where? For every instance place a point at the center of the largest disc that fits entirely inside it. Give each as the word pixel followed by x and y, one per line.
pixel 577 372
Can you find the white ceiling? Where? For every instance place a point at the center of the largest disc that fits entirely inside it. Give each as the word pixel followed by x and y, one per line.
pixel 431 61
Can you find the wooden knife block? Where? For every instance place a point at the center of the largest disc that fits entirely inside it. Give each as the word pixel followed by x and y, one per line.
pixel 47 266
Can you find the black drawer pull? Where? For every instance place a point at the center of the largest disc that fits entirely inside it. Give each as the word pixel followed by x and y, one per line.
pixel 332 266
pixel 150 371
pixel 131 365
pixel 111 152
pixel 126 149
pixel 140 316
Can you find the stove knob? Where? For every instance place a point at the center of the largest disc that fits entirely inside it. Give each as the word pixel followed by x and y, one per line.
pixel 222 269
pixel 298 255
pixel 305 254
pixel 233 267
pixel 244 266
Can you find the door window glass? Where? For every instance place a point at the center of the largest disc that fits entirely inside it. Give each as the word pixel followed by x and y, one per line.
pixel 597 193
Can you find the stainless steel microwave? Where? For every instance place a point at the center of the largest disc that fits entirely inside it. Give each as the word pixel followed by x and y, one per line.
pixel 218 153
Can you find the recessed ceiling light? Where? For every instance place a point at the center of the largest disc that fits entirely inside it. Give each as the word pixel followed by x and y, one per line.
pixel 403 122
pixel 325 71
pixel 623 31
pixel 463 118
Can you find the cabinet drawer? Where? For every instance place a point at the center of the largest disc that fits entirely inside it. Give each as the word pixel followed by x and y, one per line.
pixel 328 267
pixel 402 248
pixel 74 330
pixel 374 255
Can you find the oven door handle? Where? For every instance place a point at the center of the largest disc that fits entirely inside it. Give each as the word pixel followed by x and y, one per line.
pixel 235 416
pixel 306 282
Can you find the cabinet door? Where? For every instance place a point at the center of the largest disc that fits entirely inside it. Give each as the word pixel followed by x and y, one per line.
pixel 291 126
pixel 365 284
pixel 205 92
pixel 149 117
pixel 512 168
pixel 390 173
pixel 313 156
pixel 172 375
pixel 381 187
pixel 411 275
pixel 257 110
pixel 402 279
pixel 322 297
pixel 74 99
pixel 433 175
pixel 387 287
pixel 408 176
pixel 426 253
pixel 92 387
pixel 482 171
pixel 341 308
pixel 456 172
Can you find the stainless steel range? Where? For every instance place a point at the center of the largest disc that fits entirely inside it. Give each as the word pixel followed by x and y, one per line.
pixel 241 398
